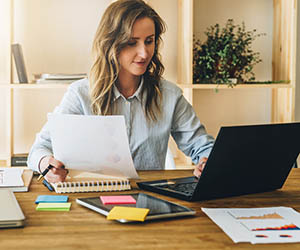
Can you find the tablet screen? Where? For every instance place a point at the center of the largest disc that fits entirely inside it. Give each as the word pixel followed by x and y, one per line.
pixel 158 208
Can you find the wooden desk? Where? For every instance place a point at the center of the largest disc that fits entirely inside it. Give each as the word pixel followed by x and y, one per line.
pixel 82 228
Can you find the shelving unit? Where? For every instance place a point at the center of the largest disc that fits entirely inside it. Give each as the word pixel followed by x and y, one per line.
pixel 283 56
pixel 283 59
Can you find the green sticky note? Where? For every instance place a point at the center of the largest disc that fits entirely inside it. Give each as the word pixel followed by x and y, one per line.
pixel 128 213
pixel 54 206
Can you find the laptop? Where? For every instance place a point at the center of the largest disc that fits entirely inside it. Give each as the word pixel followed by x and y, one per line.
pixel 244 160
pixel 11 214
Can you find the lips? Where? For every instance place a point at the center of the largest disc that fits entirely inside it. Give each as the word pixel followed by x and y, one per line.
pixel 140 63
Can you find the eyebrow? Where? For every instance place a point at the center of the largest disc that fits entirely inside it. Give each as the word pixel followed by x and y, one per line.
pixel 136 38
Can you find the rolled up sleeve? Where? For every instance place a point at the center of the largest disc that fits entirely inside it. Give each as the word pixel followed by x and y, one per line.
pixel 188 132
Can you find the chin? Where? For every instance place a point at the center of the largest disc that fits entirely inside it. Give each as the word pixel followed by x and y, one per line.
pixel 138 72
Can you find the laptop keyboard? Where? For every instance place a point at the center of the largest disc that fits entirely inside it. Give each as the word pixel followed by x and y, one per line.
pixel 187 188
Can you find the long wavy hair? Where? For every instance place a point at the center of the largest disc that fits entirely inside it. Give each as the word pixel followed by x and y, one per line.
pixel 112 35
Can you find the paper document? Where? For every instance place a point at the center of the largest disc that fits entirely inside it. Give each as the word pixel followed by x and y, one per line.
pixel 11 177
pixel 258 225
pixel 92 143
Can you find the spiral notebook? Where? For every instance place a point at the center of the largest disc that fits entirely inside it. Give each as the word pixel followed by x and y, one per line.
pixel 79 182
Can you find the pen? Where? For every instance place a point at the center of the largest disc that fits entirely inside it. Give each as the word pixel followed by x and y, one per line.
pixel 45 172
pixel 47 185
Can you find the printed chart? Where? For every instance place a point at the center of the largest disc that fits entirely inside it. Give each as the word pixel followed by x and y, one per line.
pixel 258 225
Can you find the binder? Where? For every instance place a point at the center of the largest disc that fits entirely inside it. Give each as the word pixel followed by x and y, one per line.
pixel 20 63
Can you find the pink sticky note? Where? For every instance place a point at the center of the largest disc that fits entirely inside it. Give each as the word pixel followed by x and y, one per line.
pixel 117 199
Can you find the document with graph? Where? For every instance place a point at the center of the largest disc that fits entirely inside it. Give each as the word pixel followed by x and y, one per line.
pixel 257 225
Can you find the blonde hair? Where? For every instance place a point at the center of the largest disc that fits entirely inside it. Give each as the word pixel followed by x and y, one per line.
pixel 111 37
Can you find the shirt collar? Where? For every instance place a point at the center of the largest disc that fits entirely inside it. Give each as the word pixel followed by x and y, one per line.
pixel 138 93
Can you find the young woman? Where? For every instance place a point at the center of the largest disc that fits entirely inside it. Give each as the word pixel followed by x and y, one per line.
pixel 126 79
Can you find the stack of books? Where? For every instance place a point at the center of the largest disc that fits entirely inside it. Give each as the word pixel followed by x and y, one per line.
pixel 58 78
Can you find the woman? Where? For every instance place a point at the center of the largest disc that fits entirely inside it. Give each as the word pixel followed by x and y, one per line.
pixel 126 79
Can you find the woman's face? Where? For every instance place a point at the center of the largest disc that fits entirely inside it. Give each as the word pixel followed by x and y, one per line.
pixel 137 54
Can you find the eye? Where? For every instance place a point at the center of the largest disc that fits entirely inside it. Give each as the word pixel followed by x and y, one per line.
pixel 131 43
pixel 149 41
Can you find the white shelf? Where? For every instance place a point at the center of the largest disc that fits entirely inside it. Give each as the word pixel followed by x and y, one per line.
pixel 34 86
pixel 238 86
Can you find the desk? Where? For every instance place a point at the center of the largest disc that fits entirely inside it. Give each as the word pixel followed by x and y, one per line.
pixel 82 228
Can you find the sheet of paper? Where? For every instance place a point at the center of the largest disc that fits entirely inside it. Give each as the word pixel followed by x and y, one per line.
pixel 51 199
pixel 11 177
pixel 92 143
pixel 257 225
pixel 128 213
pixel 117 199
pixel 54 206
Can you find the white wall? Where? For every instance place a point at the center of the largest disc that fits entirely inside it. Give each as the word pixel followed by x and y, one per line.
pixel 5 33
pixel 167 9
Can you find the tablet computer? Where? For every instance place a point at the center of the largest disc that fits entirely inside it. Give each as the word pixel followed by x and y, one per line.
pixel 158 208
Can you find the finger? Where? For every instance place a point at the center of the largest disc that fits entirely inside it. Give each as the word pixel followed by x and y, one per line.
pixel 59 175
pixel 55 163
pixel 202 163
pixel 203 160
pixel 55 178
pixel 59 171
pixel 197 172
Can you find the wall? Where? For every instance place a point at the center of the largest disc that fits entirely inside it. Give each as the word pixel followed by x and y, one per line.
pixel 236 106
pixel 297 99
pixel 56 36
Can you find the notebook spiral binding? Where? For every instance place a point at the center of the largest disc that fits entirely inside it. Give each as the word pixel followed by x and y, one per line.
pixel 91 186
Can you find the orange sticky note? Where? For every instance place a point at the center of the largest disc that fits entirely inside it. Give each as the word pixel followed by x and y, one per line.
pixel 128 213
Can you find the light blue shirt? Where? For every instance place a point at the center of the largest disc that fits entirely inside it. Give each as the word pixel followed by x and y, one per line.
pixel 148 140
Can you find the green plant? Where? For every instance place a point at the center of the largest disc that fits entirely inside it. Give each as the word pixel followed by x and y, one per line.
pixel 225 54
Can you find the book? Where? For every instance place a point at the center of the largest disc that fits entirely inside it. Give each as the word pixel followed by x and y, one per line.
pixel 79 181
pixel 15 179
pixel 20 63
pixel 58 78
pixel 63 76
pixel 19 160
pixel 61 81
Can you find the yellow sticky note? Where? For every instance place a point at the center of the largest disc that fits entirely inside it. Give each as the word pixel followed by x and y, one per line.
pixel 128 213
pixel 54 206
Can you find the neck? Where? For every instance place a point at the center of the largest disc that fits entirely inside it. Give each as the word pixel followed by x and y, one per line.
pixel 127 85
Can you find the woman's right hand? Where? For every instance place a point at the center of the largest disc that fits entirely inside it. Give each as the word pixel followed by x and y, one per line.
pixel 56 174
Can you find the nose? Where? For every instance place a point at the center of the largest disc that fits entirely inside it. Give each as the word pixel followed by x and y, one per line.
pixel 142 51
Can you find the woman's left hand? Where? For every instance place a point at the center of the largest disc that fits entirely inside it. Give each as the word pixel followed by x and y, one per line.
pixel 200 166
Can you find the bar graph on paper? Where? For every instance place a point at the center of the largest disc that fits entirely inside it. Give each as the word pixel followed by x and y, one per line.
pixel 258 225
pixel 258 220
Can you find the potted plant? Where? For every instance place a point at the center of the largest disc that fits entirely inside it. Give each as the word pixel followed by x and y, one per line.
pixel 226 54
